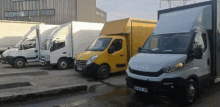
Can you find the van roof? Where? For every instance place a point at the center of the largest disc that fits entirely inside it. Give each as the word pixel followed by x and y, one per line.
pixel 122 26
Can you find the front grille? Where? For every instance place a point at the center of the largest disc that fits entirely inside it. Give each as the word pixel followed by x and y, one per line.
pixel 81 63
pixel 143 83
pixel 151 74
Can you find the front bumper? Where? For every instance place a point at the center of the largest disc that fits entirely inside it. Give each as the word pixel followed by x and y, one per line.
pixel 87 69
pixel 166 85
pixel 44 63
pixel 7 60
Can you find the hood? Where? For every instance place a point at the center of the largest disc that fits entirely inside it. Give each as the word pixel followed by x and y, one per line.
pixel 5 53
pixel 155 62
pixel 86 55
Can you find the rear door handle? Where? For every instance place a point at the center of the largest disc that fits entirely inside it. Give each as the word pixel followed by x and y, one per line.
pixel 36 51
pixel 64 52
pixel 121 55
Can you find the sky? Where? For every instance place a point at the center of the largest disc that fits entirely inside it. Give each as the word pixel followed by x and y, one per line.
pixel 143 9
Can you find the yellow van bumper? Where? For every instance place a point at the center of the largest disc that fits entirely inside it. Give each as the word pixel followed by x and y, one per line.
pixel 90 69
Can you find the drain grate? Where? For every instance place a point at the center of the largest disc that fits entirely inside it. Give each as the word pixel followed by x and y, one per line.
pixel 15 85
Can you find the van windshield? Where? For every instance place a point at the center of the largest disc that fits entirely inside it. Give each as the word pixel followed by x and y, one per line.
pixel 99 44
pixel 46 44
pixel 168 43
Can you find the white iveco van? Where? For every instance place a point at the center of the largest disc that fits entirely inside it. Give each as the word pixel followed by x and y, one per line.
pixel 177 56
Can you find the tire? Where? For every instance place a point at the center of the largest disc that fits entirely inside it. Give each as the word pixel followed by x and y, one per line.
pixel 103 72
pixel 19 63
pixel 62 64
pixel 190 92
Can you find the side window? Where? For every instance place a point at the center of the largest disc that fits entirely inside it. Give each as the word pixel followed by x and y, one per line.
pixel 200 40
pixel 57 44
pixel 117 43
pixel 29 44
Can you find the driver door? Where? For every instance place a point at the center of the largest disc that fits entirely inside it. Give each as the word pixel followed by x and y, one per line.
pixel 29 50
pixel 204 64
pixel 118 59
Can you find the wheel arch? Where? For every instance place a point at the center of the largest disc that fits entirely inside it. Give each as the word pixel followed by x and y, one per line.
pixel 107 65
pixel 69 59
pixel 195 78
pixel 20 57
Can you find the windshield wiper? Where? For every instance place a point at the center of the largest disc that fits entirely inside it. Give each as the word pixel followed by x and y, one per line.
pixel 167 50
pixel 146 50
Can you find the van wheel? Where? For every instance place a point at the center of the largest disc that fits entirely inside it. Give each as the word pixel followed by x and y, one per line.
pixel 19 63
pixel 103 72
pixel 190 92
pixel 62 64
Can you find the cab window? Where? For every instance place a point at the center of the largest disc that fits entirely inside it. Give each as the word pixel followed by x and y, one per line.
pixel 117 43
pixel 29 44
pixel 57 44
pixel 200 39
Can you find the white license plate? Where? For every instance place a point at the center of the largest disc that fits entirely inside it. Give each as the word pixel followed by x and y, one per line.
pixel 140 89
pixel 79 68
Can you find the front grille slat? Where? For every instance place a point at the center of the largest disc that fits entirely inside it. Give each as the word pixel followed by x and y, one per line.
pixel 143 83
pixel 81 63
pixel 151 74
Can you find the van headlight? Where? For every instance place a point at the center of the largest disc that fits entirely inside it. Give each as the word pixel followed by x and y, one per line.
pixel 47 57
pixel 91 59
pixel 174 67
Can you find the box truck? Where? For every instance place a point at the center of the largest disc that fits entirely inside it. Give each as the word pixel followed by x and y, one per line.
pixel 27 49
pixel 118 42
pixel 182 55
pixel 67 41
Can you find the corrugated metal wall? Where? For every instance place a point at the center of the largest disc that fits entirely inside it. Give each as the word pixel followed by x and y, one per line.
pixel 65 10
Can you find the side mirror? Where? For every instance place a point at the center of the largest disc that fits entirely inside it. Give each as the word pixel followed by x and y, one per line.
pixel 198 52
pixel 139 49
pixel 20 47
pixel 111 49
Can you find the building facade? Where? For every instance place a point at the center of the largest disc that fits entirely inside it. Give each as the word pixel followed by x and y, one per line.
pixel 51 11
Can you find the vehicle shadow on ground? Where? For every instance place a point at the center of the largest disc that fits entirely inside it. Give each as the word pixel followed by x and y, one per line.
pixel 54 68
pixel 26 66
pixel 95 79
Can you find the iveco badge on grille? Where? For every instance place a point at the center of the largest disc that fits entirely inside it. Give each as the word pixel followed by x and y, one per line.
pixel 142 67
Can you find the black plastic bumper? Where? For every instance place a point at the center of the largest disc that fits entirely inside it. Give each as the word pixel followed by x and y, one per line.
pixel 7 60
pixel 88 69
pixel 44 63
pixel 166 85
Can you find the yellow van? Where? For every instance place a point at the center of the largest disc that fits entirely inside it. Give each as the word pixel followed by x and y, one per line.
pixel 118 41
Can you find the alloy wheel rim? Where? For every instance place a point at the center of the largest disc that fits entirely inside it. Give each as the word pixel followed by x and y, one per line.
pixel 63 64
pixel 104 72
pixel 19 63
pixel 191 92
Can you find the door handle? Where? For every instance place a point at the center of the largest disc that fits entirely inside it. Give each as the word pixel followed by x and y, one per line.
pixel 208 61
pixel 121 55
pixel 64 52
pixel 36 51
